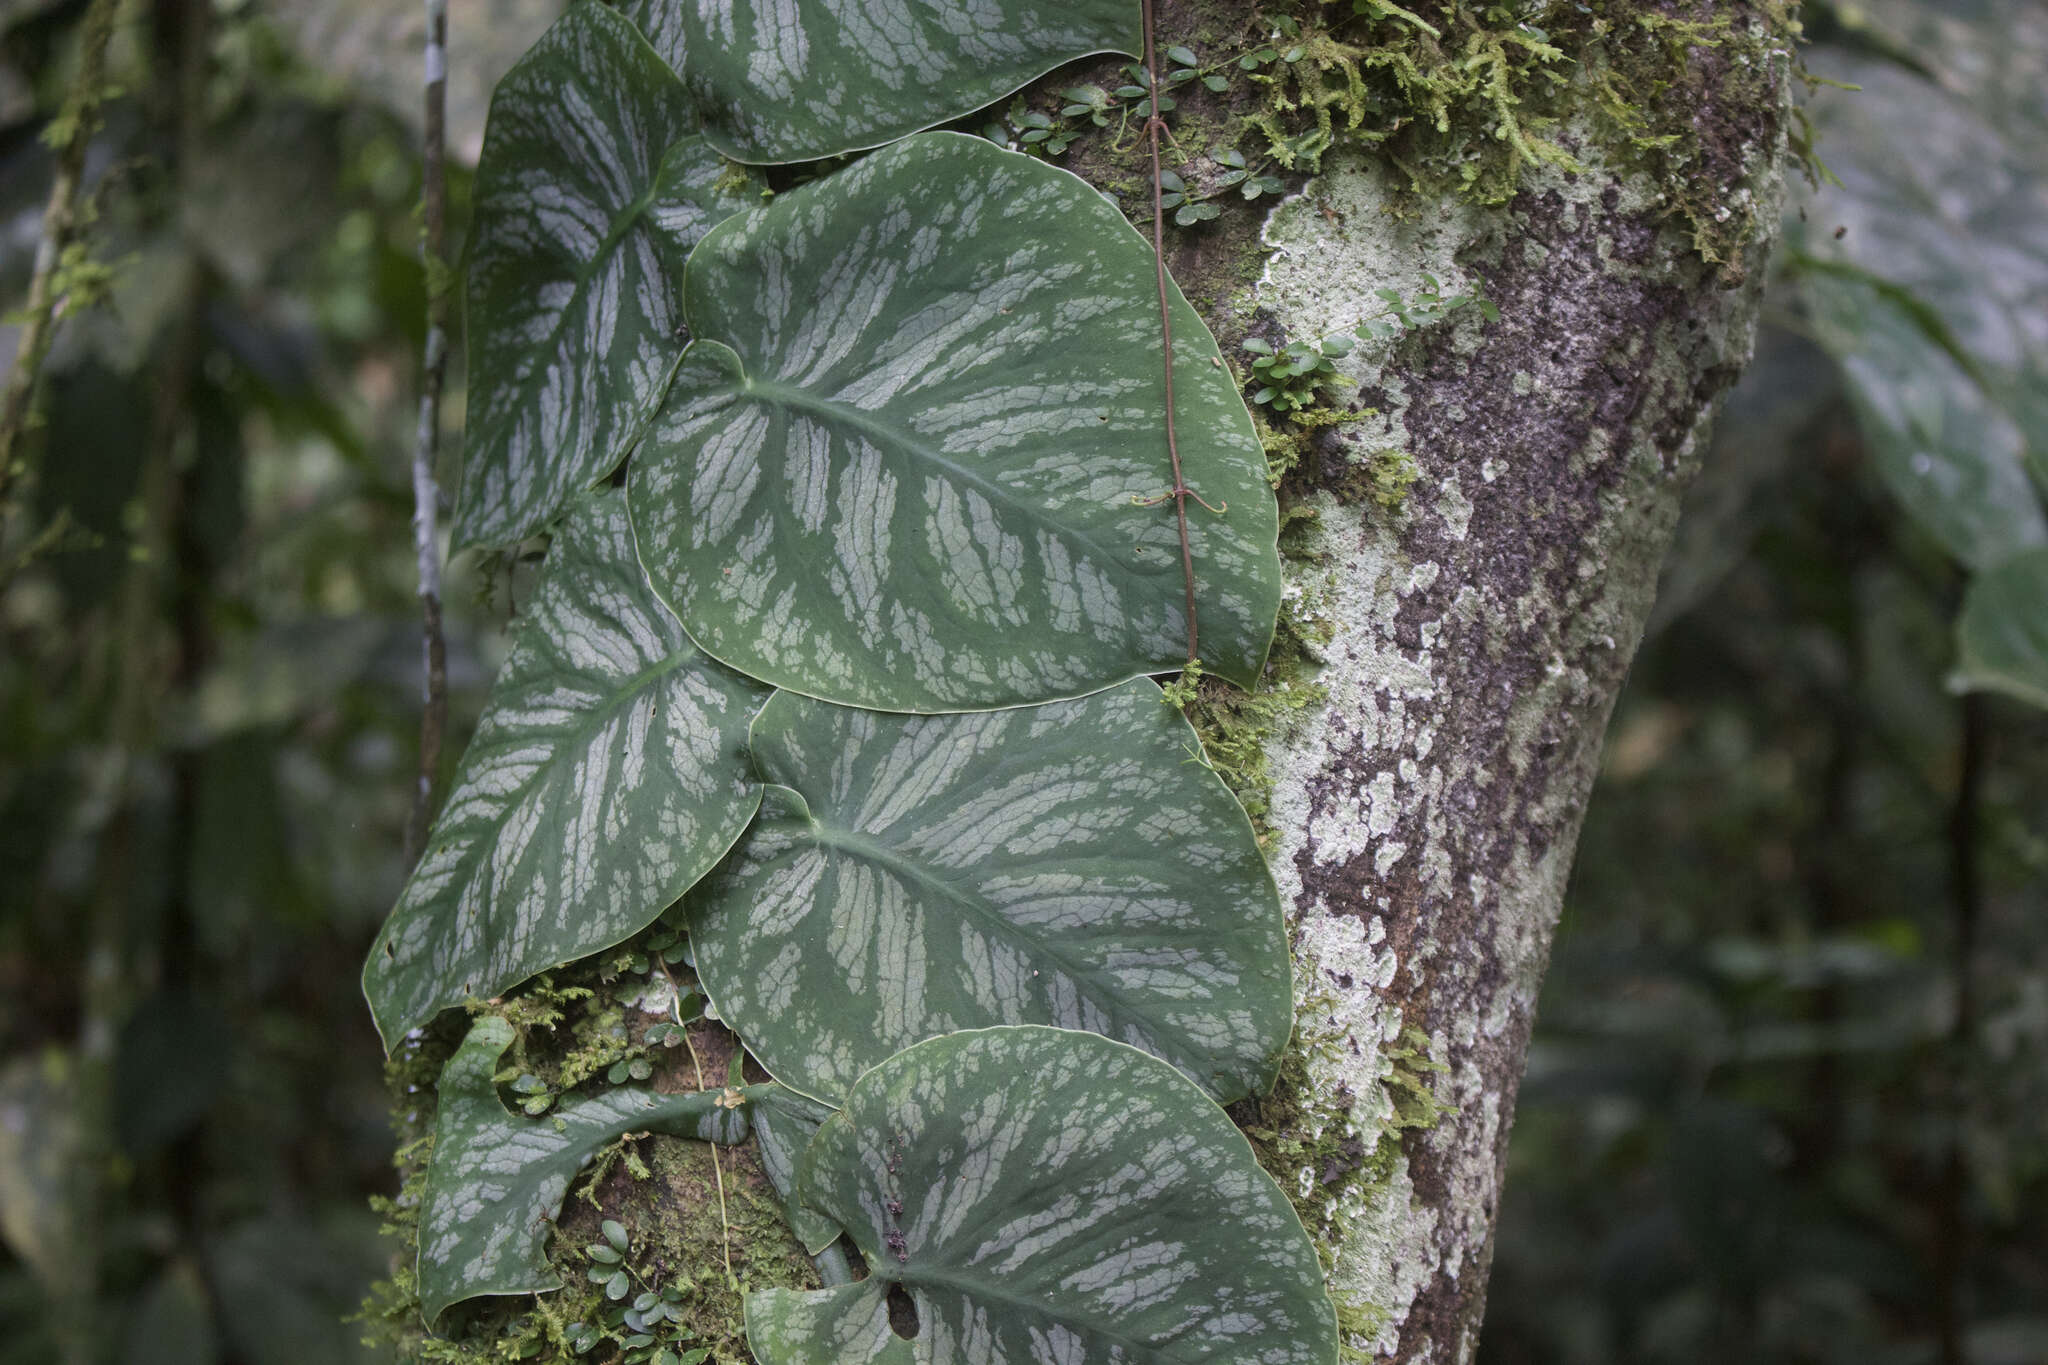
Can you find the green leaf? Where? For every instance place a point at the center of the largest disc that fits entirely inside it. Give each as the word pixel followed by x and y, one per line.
pixel 1949 454
pixel 899 472
pixel 1945 185
pixel 2002 636
pixel 780 82
pixel 784 1124
pixel 590 193
pixel 1071 864
pixel 1062 1197
pixel 605 778
pixel 496 1181
pixel 615 1233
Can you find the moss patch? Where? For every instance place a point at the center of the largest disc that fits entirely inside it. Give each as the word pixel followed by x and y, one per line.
pixel 1466 97
pixel 575 1028
pixel 1307 1135
pixel 1463 97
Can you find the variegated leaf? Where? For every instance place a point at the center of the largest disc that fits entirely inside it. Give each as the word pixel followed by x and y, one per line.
pixel 784 1124
pixel 591 191
pixel 496 1180
pixel 1044 1195
pixel 1071 864
pixel 606 776
pixel 899 471
pixel 797 80
pixel 2002 637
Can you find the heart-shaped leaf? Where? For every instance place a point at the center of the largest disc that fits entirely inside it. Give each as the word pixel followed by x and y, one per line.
pixel 1048 1195
pixel 784 1124
pixel 496 1180
pixel 779 81
pixel 591 190
pixel 2002 638
pixel 606 776
pixel 900 470
pixel 1072 864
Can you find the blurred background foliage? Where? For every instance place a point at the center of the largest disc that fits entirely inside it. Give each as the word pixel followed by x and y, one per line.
pixel 1788 1098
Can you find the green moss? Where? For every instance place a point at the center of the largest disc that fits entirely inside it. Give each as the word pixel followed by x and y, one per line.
pixel 1306 1137
pixel 1464 98
pixel 572 1027
pixel 702 1219
pixel 1383 480
pixel 1237 727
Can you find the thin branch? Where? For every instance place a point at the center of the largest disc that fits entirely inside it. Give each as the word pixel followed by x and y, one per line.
pixel 1155 129
pixel 78 123
pixel 426 496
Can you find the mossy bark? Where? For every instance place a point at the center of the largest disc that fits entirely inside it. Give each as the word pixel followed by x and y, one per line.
pixel 1423 821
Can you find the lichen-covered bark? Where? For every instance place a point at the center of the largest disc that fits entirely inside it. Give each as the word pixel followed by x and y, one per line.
pixel 1425 819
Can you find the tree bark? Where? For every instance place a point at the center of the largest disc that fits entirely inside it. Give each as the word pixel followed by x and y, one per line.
pixel 1425 818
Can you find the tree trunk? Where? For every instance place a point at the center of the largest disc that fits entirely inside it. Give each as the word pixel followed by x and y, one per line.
pixel 1424 818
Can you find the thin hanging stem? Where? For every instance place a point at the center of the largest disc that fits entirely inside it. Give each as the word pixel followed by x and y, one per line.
pixel 1155 130
pixel 717 1171
pixel 80 121
pixel 426 496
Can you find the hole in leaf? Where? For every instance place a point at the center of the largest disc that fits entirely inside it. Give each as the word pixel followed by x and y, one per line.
pixel 902 1313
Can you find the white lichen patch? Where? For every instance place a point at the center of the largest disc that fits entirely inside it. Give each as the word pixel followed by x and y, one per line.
pixel 1347 215
pixel 1383 698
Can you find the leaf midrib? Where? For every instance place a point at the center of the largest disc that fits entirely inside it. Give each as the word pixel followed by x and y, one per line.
pixel 973 1289
pixel 866 846
pixel 549 774
pixel 886 437
pixel 622 223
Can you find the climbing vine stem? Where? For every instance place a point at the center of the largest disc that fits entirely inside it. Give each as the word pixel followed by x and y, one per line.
pixel 426 495
pixel 1155 129
pixel 72 132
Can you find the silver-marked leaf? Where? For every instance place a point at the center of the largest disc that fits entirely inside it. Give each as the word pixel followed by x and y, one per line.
pixel 899 472
pixel 784 1124
pixel 2002 637
pixel 1071 864
pixel 606 776
pixel 1047 1195
pixel 781 80
pixel 496 1180
pixel 591 191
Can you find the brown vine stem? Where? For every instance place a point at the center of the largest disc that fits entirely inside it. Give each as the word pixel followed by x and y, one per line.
pixel 1155 129
pixel 426 496
pixel 77 124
